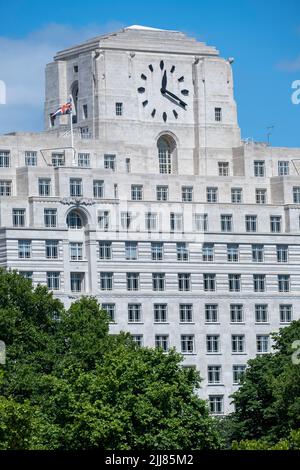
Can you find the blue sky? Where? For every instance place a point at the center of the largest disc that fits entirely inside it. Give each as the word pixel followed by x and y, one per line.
pixel 262 35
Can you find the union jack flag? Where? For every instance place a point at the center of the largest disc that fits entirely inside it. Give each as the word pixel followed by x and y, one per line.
pixel 65 108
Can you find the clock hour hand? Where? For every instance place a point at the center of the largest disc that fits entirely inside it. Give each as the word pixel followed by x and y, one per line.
pixel 182 103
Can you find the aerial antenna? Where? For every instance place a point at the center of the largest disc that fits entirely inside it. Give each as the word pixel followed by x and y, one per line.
pixel 269 133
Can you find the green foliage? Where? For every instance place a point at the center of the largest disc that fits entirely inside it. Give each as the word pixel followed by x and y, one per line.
pixel 68 384
pixel 292 442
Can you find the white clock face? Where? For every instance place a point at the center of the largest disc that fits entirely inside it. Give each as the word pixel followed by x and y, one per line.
pixel 162 91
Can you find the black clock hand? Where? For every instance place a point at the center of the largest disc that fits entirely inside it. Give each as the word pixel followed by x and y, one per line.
pixel 164 81
pixel 166 92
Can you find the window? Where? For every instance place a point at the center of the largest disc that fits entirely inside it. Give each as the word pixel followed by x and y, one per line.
pixel 211 313
pixel 162 193
pixel 160 313
pixel 209 282
pixel 259 168
pixel 30 158
pixel 261 313
pixel 4 158
pixel 184 282
pixel 44 186
pixel 238 372
pixel 58 159
pixel 157 251
pixel 103 220
pixel 77 282
pixel 98 187
pixel 232 253
pixel 133 280
pixel 158 281
pixel 212 194
pixel 285 313
pixel 162 341
pixel 53 280
pixel 110 162
pixel 51 248
pixel 214 374
pixel 226 223
pixel 200 222
pixel 238 343
pixel 296 194
pixel 75 187
pixel 262 343
pixel 187 193
pixel 74 220
pixel 212 344
pixel 26 274
pixel 258 253
pixel 284 283
pixel 223 168
pixel 138 340
pixel 131 250
pixel 119 109
pixel 75 68
pixel 275 223
pixel 85 133
pixel 84 160
pixel 283 168
pixel 151 221
pixel 165 155
pixel 5 188
pixel 236 313
pixel 207 252
pixel 186 313
pixel 104 250
pixel 76 251
pixel 234 282
pixel 187 344
pixel 261 196
pixel 115 190
pixel 182 251
pixel 24 249
pixel 111 311
pixel 218 114
pixel 127 165
pixel 106 281
pixel 136 192
pixel 259 282
pixel 85 111
pixel 18 217
pixel 176 222
pixel 251 223
pixel 216 404
pixel 126 219
pixel 50 218
pixel 236 195
pixel 282 253
pixel 134 313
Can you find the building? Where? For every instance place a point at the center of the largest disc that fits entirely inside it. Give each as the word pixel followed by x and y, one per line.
pixel 188 236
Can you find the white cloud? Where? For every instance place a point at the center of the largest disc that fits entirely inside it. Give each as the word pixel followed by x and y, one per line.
pixel 22 65
pixel 290 65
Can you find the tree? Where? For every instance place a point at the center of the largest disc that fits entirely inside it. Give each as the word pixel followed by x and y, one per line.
pixel 68 384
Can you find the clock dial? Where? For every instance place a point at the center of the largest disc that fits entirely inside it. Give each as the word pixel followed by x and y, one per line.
pixel 165 84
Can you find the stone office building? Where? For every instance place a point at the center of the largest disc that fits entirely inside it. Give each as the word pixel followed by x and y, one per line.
pixel 188 236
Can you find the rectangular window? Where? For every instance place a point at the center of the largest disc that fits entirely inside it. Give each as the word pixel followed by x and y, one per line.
pixel 126 219
pixel 187 193
pixel 51 249
pixel 156 251
pixel 259 168
pixel 162 193
pixel 218 114
pixel 214 374
pixel 296 194
pixel 234 282
pixel 207 252
pixel 44 187
pixel 285 313
pixel 110 310
pixel 84 160
pixel 184 282
pixel 103 220
pixel 232 253
pixel 238 372
pixel 223 168
pixel 284 283
pixel 76 251
pixel 106 281
pixel 160 313
pixel 136 192
pixel 186 313
pixel 110 162
pixel 209 282
pixel 261 196
pixel 200 222
pixel 18 216
pixel 212 344
pixel 282 253
pixel 258 253
pixel 251 223
pixel 85 111
pixel 283 168
pixel 5 188
pixel 75 187
pixel 132 281
pixel 134 313
pixel 261 313
pixel 58 159
pixel 131 250
pixel 30 158
pixel 259 282
pixel 236 313
pixel 216 406
pixel 119 109
pixel 211 313
pixel 4 158
pixel 176 222
pixel 158 281
pixel 238 343
pixel 127 165
pixel 24 249
pixel 226 223
pixel 26 274
pixel 162 341
pixel 98 187
pixel 77 282
pixel 138 340
pixel 53 280
pixel 211 194
pixel 262 343
pixel 105 250
pixel 151 221
pixel 275 223
pixel 50 218
pixel 236 195
pixel 187 344
pixel 182 251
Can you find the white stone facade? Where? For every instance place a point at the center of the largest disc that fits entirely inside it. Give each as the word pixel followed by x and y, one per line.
pixel 237 277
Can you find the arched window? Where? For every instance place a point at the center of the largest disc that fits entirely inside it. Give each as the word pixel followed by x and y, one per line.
pixel 166 149
pixel 74 220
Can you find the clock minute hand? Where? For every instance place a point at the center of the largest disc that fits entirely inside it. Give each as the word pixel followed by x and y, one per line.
pixel 166 92
pixel 164 81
